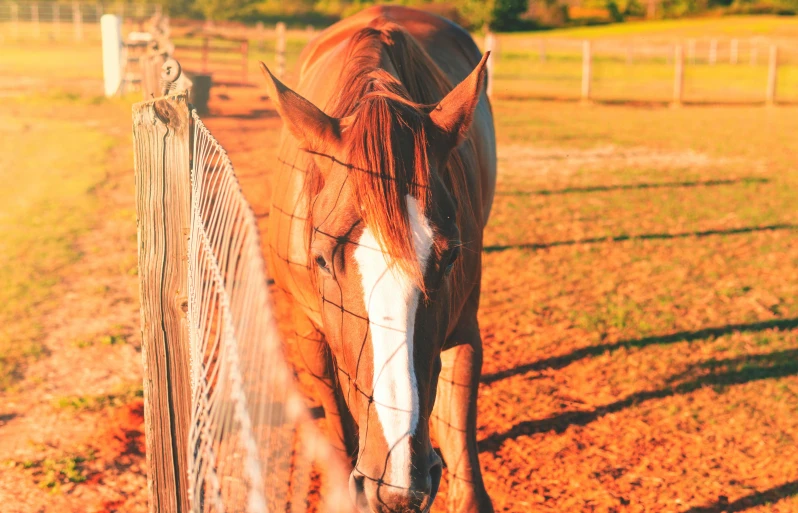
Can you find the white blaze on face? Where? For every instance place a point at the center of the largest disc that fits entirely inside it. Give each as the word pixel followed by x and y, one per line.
pixel 391 300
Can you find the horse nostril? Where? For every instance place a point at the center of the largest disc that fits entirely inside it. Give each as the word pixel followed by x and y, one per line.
pixel 435 479
pixel 357 490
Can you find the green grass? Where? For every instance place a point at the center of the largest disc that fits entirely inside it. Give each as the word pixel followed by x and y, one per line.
pixel 89 403
pixel 49 206
pixel 53 157
pixel 633 61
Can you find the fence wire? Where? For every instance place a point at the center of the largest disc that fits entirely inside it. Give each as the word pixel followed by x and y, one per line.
pixel 252 442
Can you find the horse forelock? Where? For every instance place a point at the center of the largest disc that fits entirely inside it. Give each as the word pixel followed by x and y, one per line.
pixel 389 139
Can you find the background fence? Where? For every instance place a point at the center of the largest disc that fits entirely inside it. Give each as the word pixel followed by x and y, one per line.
pixel 699 70
pixel 227 429
pixel 58 21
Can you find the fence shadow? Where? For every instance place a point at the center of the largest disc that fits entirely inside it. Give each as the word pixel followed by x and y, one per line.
pixel 646 236
pixel 778 364
pixel 769 496
pixel 558 362
pixel 637 186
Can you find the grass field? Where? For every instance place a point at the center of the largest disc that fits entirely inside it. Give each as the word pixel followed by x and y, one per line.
pixel 639 300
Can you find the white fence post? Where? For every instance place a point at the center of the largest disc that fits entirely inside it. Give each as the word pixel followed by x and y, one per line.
pixel 34 17
pixel 773 70
pixel 733 51
pixel 587 71
pixel 260 36
pixel 678 75
pixel 754 53
pixel 77 21
pixel 14 19
pixel 280 49
pixel 111 29
pixel 56 7
pixel 713 51
pixel 490 46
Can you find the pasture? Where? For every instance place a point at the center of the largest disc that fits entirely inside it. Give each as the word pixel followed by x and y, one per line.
pixel 639 294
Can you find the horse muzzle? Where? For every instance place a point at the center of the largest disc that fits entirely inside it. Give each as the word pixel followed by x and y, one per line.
pixel 374 495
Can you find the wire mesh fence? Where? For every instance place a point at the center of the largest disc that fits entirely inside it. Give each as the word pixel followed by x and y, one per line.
pixel 251 442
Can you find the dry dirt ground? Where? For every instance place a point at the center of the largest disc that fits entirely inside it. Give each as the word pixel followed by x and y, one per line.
pixel 638 316
pixel 640 347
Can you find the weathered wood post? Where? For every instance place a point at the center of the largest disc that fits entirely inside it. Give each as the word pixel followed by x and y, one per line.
pixel 490 46
pixel 280 28
pixel 587 71
pixel 678 76
pixel 773 71
pixel 161 132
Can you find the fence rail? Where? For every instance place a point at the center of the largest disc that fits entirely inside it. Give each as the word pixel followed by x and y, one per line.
pixel 709 70
pixel 32 20
pixel 227 428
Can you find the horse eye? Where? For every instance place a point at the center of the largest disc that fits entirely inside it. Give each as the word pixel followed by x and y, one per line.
pixel 321 263
pixel 452 259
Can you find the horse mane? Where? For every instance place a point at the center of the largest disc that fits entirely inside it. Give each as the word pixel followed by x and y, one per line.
pixel 391 135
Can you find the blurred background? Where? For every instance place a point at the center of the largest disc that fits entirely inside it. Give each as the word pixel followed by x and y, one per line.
pixel 640 267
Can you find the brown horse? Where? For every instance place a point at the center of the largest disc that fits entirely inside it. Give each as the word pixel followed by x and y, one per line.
pixel 376 236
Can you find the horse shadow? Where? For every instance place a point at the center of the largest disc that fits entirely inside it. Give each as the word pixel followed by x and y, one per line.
pixel 646 236
pixel 716 373
pixel 635 186
pixel 769 496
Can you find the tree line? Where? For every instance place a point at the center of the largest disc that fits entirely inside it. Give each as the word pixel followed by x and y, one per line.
pixel 497 15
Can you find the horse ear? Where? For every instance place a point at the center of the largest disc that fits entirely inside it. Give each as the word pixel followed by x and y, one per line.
pixel 453 115
pixel 315 129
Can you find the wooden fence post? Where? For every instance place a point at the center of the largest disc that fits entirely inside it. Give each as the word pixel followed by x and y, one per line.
pixel 490 46
pixel 280 49
pixel 587 71
pixel 773 70
pixel 678 75
pixel 77 21
pixel 56 7
pixel 14 7
pixel 733 51
pixel 754 53
pixel 204 57
pixel 260 36
pixel 161 132
pixel 713 51
pixel 34 17
pixel 244 61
